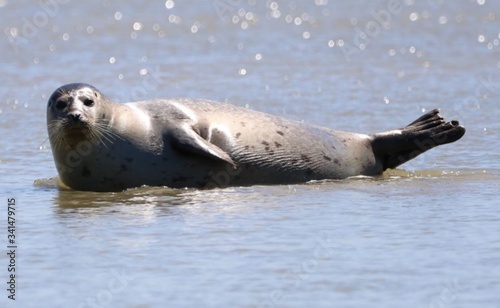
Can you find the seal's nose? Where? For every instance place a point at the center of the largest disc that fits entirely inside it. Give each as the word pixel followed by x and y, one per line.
pixel 74 117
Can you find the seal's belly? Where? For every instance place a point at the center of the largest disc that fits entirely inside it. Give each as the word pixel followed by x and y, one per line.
pixel 125 166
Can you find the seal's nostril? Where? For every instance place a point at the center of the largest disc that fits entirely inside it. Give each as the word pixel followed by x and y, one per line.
pixel 455 123
pixel 74 117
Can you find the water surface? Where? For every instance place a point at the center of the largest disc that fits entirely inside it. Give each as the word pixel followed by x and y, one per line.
pixel 423 236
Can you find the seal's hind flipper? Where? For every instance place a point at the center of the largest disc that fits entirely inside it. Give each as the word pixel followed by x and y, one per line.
pixel 396 147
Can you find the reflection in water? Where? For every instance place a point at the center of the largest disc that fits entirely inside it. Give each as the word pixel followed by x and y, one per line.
pixel 164 197
pixel 72 199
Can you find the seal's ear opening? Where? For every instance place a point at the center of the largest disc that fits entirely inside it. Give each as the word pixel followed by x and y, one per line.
pixel 430 130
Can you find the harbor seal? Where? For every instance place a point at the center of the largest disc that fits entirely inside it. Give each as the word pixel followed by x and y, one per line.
pixel 100 145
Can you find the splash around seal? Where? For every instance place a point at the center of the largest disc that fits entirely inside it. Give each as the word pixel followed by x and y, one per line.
pixel 100 145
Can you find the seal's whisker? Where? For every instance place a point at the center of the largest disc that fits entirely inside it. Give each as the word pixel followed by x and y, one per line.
pixel 105 129
pixel 103 133
pixel 55 130
pixel 102 138
pixel 94 134
pixel 43 142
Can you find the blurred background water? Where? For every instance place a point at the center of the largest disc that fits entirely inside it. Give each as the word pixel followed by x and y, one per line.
pixel 423 236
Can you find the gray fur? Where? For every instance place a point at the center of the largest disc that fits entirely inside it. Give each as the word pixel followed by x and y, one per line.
pixel 198 143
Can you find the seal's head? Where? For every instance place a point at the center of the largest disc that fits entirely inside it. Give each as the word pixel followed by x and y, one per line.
pixel 76 112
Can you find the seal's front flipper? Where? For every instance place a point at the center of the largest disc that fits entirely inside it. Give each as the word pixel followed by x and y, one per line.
pixel 396 147
pixel 186 139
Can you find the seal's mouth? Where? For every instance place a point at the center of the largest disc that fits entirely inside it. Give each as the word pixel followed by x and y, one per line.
pixel 77 130
pixel 75 126
pixel 71 130
pixel 75 118
pixel 80 132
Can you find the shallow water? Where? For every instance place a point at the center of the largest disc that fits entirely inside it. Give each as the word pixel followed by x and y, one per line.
pixel 423 236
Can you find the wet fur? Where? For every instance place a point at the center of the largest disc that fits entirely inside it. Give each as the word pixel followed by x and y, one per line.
pixel 204 144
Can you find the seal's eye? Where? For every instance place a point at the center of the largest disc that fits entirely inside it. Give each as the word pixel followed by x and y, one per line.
pixel 88 102
pixel 61 105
